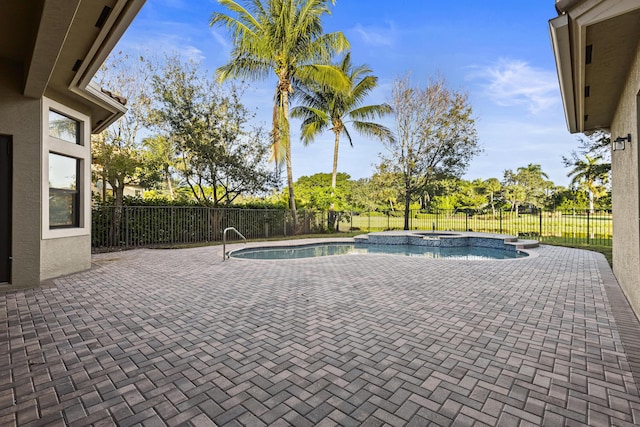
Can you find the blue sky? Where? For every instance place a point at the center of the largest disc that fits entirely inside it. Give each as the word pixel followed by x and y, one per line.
pixel 498 52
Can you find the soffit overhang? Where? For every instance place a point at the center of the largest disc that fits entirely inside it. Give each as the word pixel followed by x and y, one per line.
pixel 594 42
pixel 61 44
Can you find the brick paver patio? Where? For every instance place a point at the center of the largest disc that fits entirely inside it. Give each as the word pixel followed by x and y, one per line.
pixel 178 337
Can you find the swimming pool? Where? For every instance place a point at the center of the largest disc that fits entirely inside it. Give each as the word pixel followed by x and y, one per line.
pixel 327 249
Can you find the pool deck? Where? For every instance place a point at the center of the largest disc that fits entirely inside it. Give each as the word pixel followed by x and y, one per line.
pixel 179 337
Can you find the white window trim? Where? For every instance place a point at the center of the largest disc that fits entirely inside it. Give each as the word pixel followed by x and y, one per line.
pixel 81 152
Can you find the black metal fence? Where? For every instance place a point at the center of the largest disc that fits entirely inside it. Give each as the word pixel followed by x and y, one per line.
pixel 579 227
pixel 136 226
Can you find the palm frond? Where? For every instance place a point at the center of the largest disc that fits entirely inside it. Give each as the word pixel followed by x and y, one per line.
pixel 246 25
pixel 315 121
pixel 364 86
pixel 243 67
pixel 374 130
pixel 369 112
pixel 326 77
pixel 346 133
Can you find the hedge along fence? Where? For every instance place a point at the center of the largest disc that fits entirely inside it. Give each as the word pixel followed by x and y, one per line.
pixel 135 226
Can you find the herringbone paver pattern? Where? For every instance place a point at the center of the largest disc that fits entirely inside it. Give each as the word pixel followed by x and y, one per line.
pixel 159 337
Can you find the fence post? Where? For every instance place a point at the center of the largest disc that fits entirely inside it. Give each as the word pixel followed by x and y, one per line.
pixel 466 221
pixel 126 226
pixel 588 228
pixel 500 221
pixel 172 226
pixel 540 232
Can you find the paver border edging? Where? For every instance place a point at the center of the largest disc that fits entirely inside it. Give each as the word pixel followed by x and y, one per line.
pixel 625 318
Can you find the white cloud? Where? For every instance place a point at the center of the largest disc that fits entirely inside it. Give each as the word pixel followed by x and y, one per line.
pixel 376 36
pixel 221 39
pixel 515 82
pixel 166 43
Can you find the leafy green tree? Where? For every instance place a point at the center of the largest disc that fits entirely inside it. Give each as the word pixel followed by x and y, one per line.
pixel 592 175
pixel 492 188
pixel 314 192
pixel 325 109
pixel 527 185
pixel 516 194
pixel 387 189
pixel 565 199
pixel 219 159
pixel 361 198
pixel 159 160
pixel 445 202
pixel 116 152
pixel 114 162
pixel 381 192
pixel 441 193
pixel 471 195
pixel 435 136
pixel 597 144
pixel 284 37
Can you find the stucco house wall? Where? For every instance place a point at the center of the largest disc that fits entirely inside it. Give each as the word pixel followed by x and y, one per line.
pixel 64 256
pixel 34 257
pixel 20 117
pixel 596 45
pixel 49 52
pixel 626 188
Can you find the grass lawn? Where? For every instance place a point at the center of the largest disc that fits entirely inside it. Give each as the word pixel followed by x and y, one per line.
pixel 604 250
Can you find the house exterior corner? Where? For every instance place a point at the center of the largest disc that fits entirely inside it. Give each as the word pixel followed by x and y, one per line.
pixel 625 166
pixel 49 52
pixel 596 44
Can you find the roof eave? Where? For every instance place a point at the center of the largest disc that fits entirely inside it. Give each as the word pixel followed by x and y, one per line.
pixel 561 43
pixel 119 20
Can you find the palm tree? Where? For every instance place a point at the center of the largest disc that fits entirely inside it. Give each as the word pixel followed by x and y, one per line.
pixel 590 175
pixel 325 109
pixel 284 37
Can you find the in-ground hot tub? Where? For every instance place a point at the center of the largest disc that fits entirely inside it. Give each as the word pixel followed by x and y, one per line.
pixel 446 239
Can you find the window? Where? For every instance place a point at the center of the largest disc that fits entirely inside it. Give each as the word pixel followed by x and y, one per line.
pixel 64 128
pixel 64 191
pixel 66 171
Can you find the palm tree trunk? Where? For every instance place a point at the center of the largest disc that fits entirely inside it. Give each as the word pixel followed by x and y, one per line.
pixel 334 179
pixel 170 187
pixel 334 176
pixel 287 147
pixel 493 206
pixel 407 202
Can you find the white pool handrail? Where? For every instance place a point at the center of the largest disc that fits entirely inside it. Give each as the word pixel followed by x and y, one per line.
pixel 224 241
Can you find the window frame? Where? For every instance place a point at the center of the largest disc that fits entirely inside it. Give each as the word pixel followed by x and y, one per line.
pixel 75 194
pixel 78 127
pixel 81 151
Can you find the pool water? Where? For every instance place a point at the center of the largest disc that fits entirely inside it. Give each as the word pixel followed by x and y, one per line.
pixel 326 249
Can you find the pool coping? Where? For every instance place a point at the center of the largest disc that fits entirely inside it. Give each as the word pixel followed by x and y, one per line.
pixel 524 246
